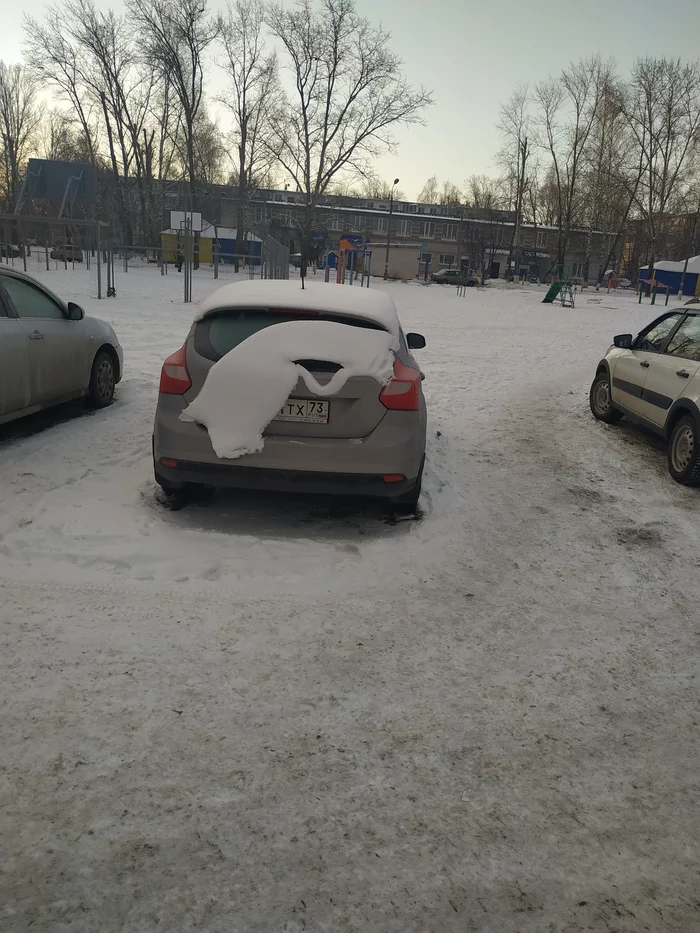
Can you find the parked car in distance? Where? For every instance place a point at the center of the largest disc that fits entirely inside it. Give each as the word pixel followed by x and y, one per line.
pixel 10 250
pixel 453 277
pixel 49 351
pixel 364 440
pixel 655 379
pixel 295 260
pixel 67 253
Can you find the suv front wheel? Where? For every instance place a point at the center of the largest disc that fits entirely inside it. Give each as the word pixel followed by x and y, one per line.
pixel 684 452
pixel 601 402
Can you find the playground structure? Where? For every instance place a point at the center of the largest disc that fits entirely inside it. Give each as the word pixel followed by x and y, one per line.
pixel 348 264
pixel 565 291
pixel 653 285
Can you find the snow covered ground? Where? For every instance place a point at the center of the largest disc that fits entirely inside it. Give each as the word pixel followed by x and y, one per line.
pixel 283 714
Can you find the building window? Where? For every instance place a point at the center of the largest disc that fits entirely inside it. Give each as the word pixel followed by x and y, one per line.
pixel 427 230
pixel 358 222
pixel 450 232
pixel 404 228
pixel 577 270
pixel 379 225
pixel 541 240
pixel 447 259
pixel 335 224
pixel 426 257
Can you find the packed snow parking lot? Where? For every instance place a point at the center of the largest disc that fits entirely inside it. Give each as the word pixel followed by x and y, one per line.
pixel 277 713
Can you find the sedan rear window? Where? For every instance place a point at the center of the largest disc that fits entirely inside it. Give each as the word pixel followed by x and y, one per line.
pixel 219 333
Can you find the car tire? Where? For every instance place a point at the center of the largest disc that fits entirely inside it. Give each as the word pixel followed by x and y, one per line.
pixel 102 381
pixel 600 401
pixel 684 451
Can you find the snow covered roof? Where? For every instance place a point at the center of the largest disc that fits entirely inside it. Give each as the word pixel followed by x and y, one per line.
pixel 668 265
pixel 365 303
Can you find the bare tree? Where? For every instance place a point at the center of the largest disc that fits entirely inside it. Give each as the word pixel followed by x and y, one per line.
pixel 252 97
pixel 662 108
pixel 567 110
pixel 173 36
pixel 349 93
pixel 55 59
pixel 489 234
pixel 513 123
pixel 430 192
pixel 367 185
pixel 209 150
pixel 450 195
pixel 59 139
pixel 19 120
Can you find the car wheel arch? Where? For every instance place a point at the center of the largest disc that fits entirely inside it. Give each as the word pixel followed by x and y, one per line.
pixel 112 353
pixel 681 407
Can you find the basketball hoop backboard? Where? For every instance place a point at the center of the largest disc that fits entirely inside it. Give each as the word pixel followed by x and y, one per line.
pixel 180 220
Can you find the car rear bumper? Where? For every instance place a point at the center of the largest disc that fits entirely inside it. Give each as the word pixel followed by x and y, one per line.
pixel 221 475
pixel 347 466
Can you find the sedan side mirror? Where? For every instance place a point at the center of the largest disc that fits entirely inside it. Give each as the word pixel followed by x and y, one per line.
pixel 75 312
pixel 623 341
pixel 415 341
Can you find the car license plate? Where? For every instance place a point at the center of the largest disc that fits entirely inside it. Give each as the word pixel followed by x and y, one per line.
pixel 307 411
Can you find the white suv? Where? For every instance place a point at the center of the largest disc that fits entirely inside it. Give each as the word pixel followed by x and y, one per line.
pixel 655 379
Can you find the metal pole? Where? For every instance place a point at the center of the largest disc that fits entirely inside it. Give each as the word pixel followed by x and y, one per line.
pixel 388 230
pixel 99 262
pixel 22 245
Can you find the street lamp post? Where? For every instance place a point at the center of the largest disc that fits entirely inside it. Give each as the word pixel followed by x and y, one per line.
pixel 388 230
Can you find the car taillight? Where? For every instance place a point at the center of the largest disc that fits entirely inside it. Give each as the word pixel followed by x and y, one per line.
pixel 403 392
pixel 174 377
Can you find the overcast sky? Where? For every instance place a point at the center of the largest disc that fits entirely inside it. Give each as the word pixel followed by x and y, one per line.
pixel 473 54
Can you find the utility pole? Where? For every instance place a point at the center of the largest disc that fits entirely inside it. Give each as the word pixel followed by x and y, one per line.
pixel 692 248
pixel 388 230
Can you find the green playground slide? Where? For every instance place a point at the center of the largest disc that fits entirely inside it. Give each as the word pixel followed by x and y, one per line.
pixel 552 293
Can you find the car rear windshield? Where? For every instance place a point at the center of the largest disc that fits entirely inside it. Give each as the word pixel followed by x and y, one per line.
pixel 218 333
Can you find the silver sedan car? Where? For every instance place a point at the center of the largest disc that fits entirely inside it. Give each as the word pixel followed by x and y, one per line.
pixel 49 351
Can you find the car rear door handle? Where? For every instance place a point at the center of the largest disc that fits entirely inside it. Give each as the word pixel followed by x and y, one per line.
pixel 683 374
pixel 36 335
pixel 644 364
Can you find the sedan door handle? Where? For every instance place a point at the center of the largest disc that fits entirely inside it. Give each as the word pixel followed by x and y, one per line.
pixel 644 364
pixel 683 374
pixel 36 335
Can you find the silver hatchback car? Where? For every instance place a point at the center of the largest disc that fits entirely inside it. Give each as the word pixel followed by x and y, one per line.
pixel 49 351
pixel 365 440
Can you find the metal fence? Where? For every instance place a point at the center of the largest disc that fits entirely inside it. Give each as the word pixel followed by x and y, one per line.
pixel 77 258
pixel 145 272
pixel 275 259
pixel 50 248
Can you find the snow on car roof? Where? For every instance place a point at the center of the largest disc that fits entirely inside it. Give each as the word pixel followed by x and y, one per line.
pixel 364 303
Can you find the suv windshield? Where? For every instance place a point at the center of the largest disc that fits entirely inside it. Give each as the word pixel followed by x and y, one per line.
pixel 220 332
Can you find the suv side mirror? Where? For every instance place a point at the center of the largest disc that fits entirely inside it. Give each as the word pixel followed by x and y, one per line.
pixel 75 312
pixel 415 341
pixel 623 341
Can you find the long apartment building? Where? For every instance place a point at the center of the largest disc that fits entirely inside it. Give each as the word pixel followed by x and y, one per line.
pixel 421 234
